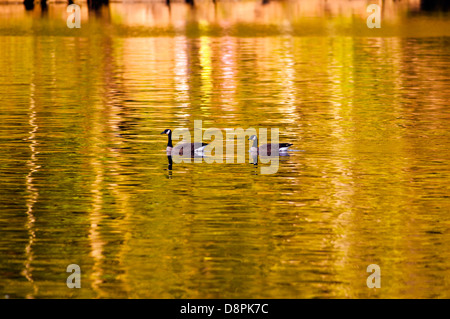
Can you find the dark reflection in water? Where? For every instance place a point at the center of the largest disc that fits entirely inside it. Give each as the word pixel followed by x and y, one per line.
pixel 81 163
pixel 44 6
pixel 434 5
pixel 29 5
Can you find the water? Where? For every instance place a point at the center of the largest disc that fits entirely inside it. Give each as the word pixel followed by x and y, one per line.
pixel 84 176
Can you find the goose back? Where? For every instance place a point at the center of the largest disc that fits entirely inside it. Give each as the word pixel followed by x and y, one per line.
pixel 267 149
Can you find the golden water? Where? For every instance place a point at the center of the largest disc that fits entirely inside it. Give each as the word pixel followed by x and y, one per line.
pixel 83 168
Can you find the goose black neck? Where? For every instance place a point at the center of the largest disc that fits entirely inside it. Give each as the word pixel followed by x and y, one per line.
pixel 169 142
pixel 255 143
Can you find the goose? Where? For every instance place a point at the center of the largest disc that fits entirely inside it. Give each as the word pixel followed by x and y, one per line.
pixel 169 166
pixel 191 149
pixel 266 149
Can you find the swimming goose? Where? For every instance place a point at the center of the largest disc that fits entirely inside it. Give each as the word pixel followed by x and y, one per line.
pixel 191 149
pixel 266 149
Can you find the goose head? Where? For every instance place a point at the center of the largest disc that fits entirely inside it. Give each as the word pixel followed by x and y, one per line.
pixel 253 138
pixel 166 131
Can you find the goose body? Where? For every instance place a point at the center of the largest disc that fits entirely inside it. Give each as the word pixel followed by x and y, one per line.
pixel 184 149
pixel 266 149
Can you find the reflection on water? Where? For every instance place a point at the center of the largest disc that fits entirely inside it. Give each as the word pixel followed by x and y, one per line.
pixel 249 18
pixel 85 179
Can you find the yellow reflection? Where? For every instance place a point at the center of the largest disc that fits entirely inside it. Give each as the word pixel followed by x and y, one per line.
pixel 109 176
pixel 206 71
pixel 32 192
pixel 228 79
pixel 115 114
pixel 181 76
pixel 95 214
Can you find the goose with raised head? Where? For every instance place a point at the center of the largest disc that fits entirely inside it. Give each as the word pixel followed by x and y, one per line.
pixel 184 149
pixel 266 149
